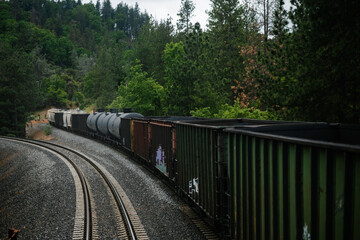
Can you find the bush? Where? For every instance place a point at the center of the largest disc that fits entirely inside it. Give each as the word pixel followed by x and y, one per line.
pixel 47 130
pixel 235 111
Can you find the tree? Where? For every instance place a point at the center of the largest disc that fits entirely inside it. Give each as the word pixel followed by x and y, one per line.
pixel 227 33
pixel 19 95
pixel 130 20
pixel 208 87
pixel 84 64
pixel 55 88
pixel 100 85
pixel 140 92
pixel 328 60
pixel 179 81
pixel 150 45
pixel 107 14
pixel 280 21
pixel 266 8
pixel 185 14
pixel 275 71
pixel 98 6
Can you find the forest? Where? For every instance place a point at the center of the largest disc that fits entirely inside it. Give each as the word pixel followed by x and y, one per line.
pixel 254 59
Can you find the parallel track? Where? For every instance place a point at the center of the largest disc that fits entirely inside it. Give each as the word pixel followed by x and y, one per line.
pixel 85 188
pixel 126 218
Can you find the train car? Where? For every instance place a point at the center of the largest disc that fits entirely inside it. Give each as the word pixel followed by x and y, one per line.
pixel 153 140
pixel 103 124
pixel 140 139
pixel 125 129
pixel 91 122
pixel 200 172
pixel 114 127
pixel 59 119
pixel 67 117
pixel 292 182
pixel 78 123
pixel 51 115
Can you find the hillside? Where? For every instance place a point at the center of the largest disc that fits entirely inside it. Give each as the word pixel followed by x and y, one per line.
pixel 245 64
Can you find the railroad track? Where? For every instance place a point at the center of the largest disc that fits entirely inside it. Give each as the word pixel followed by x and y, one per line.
pixel 130 225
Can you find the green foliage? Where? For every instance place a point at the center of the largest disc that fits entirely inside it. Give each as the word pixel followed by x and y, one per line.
pixel 61 52
pixel 327 59
pixel 235 111
pixel 27 36
pixel 57 97
pixel 227 34
pixel 100 84
pixel 19 94
pixel 129 20
pixel 150 45
pixel 140 92
pixel 47 129
pixel 191 81
pixel 78 98
pixel 180 79
pixel 55 90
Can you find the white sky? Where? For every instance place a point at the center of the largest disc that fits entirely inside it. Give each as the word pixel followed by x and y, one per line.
pixel 161 9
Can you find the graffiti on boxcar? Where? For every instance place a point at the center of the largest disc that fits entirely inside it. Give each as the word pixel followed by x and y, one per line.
pixel 160 160
pixel 194 186
pixel 306 234
pixel 339 204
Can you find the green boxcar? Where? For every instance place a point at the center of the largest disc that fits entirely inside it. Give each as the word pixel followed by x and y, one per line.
pixel 293 182
pixel 202 168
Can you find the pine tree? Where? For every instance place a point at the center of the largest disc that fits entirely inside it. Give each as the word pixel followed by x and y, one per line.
pixel 280 21
pixel 227 33
pixel 185 14
pixel 276 77
pixel 98 6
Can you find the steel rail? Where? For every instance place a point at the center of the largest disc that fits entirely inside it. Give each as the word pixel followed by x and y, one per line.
pixel 120 203
pixel 87 222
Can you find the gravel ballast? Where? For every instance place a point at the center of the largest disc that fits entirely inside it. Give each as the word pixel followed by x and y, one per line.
pixel 37 193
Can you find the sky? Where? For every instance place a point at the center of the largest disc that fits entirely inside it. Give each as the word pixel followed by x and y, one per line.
pixel 161 9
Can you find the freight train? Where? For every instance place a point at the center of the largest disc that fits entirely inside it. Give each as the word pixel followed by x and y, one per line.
pixel 253 179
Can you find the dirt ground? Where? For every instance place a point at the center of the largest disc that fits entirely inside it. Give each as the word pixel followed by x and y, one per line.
pixel 35 128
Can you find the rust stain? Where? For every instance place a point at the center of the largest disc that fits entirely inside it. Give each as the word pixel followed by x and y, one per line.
pixel 7 159
pixel 7 174
pixel 12 233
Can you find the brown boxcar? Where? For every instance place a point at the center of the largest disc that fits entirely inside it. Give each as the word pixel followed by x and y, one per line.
pixel 154 141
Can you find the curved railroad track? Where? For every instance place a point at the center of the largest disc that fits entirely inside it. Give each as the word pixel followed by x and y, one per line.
pixel 130 225
pixel 84 231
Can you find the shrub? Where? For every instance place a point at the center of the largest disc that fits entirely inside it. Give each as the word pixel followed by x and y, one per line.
pixel 47 130
pixel 235 111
